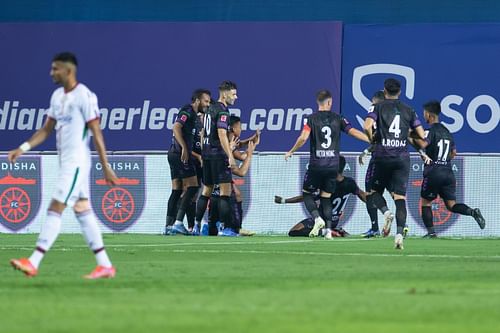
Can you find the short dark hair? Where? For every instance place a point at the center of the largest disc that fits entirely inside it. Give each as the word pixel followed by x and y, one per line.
pixel 433 106
pixel 323 95
pixel 342 163
pixel 392 86
pixel 379 95
pixel 198 93
pixel 66 57
pixel 227 85
pixel 233 120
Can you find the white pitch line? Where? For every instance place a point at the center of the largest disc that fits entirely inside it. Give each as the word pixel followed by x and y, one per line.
pixel 333 254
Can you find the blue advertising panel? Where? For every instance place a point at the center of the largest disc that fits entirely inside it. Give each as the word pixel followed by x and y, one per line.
pixel 456 64
pixel 143 73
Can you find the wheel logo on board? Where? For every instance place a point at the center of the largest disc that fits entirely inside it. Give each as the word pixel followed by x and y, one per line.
pixel 20 192
pixel 119 207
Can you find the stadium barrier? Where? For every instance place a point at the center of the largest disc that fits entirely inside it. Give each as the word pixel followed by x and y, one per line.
pixel 138 203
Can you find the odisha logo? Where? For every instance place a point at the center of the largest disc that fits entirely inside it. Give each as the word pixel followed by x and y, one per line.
pixel 117 203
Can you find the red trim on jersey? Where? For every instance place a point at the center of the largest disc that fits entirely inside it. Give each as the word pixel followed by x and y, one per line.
pixel 94 119
pixel 307 128
pixel 67 91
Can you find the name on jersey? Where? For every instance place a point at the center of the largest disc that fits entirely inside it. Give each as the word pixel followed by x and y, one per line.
pixel 393 143
pixel 325 153
pixel 17 166
pixel 119 166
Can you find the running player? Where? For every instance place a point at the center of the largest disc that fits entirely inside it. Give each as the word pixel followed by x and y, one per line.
pixel 217 156
pixel 393 120
pixel 182 162
pixel 345 186
pixel 324 129
pixel 73 112
pixel 439 178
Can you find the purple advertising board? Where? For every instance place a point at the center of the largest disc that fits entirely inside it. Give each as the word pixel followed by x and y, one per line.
pixel 143 73
pixel 456 64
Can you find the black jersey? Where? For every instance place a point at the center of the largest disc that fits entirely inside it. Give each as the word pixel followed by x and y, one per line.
pixel 440 145
pixel 187 118
pixel 325 127
pixel 217 116
pixel 339 198
pixel 394 120
pixel 198 126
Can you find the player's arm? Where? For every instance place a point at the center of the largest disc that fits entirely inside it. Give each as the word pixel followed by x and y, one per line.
pixel 99 145
pixel 357 134
pixel 368 127
pixel 240 156
pixel 196 155
pixel 453 153
pixel 281 200
pixel 180 139
pixel 242 170
pixel 361 195
pixel 301 140
pixel 40 136
pixel 365 153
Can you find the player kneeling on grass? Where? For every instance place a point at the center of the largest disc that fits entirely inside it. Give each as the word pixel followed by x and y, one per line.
pixel 345 186
pixel 73 111
pixel 439 178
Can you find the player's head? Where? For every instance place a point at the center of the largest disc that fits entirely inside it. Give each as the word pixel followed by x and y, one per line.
pixel 392 88
pixel 200 100
pixel 432 109
pixel 227 92
pixel 341 164
pixel 324 99
pixel 63 67
pixel 378 97
pixel 235 125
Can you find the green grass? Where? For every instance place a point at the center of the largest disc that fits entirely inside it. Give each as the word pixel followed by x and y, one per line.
pixel 259 284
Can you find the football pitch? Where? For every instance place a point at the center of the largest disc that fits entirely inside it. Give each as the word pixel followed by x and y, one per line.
pixel 256 284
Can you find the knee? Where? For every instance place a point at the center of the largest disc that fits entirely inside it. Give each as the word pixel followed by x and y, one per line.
pixel 81 206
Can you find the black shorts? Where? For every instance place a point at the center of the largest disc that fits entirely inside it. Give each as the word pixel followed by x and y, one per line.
pixel 369 178
pixel 179 170
pixel 307 226
pixel 216 171
pixel 391 173
pixel 439 181
pixel 320 179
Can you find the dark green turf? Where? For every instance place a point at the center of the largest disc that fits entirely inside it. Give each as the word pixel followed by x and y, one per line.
pixel 259 284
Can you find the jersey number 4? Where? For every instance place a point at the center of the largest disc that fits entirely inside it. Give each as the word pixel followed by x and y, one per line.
pixel 395 126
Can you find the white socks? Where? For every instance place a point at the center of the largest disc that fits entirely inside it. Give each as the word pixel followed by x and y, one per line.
pixel 93 237
pixel 48 235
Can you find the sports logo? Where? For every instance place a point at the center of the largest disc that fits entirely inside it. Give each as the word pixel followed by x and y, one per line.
pixel 443 219
pixel 120 206
pixel 347 203
pixel 360 72
pixel 20 192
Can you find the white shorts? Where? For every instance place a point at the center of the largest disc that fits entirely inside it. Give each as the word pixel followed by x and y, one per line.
pixel 72 185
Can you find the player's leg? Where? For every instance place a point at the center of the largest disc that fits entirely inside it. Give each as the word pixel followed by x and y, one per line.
pixel 208 186
pixel 382 173
pixel 175 165
pixel 191 210
pixel 311 183
pixel 302 229
pixel 93 236
pixel 213 215
pixel 371 208
pixel 190 181
pixel 448 193
pixel 66 193
pixel 327 188
pixel 225 212
pixel 428 193
pixel 399 182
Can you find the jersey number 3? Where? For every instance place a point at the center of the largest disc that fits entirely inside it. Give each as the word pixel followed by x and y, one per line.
pixel 327 131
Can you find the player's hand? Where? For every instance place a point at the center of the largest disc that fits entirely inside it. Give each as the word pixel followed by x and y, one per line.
pixel 184 156
pixel 427 160
pixel 14 154
pixel 256 140
pixel 288 155
pixel 234 143
pixel 110 176
pixel 251 147
pixel 278 199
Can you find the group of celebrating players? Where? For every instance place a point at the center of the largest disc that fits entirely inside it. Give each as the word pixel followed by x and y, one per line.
pixel 206 145
pixel 389 127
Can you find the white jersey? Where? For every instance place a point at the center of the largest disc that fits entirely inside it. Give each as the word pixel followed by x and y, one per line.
pixel 72 111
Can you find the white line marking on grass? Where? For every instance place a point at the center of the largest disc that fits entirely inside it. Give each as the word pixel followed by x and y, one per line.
pixel 333 254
